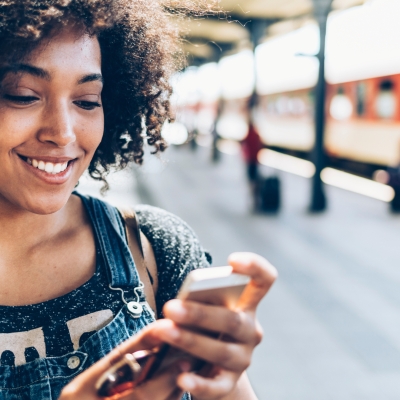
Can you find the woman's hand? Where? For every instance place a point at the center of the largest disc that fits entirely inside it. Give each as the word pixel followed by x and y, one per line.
pixel 161 387
pixel 242 332
pixel 229 357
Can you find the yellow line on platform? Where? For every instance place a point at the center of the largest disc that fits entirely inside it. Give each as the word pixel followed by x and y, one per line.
pixel 330 176
pixel 286 163
pixel 357 184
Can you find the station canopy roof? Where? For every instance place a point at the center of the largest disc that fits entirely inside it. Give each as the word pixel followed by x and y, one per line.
pixel 271 9
pixel 361 43
pixel 283 15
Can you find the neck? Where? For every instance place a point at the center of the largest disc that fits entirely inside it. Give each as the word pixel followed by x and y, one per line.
pixel 22 230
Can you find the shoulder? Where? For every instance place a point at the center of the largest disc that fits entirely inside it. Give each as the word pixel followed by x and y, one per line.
pixel 176 247
pixel 158 224
pixel 170 235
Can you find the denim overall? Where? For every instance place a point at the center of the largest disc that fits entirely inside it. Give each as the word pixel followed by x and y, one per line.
pixel 43 379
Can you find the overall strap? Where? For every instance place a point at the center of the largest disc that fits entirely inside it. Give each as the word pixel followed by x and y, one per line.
pixel 145 261
pixel 110 232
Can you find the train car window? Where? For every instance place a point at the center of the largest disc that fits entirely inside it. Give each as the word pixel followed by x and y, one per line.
pixel 282 105
pixel 270 107
pixel 361 98
pixel 288 106
pixel 386 100
pixel 341 107
pixel 297 106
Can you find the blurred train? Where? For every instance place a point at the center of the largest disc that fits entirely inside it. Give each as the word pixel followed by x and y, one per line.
pixel 363 123
pixel 363 90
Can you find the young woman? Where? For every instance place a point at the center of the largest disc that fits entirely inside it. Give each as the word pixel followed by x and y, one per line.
pixel 80 81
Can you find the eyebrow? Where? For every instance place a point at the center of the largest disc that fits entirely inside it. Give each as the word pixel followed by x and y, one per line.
pixel 29 69
pixel 91 78
pixel 43 74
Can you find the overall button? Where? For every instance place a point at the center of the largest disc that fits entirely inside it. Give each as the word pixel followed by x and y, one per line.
pixel 135 309
pixel 73 362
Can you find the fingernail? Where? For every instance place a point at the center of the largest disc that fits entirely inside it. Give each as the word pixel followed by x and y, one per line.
pixel 237 258
pixel 176 310
pixel 234 257
pixel 173 333
pixel 188 383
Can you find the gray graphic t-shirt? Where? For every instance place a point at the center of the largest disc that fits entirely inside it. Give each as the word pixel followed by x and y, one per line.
pixel 59 326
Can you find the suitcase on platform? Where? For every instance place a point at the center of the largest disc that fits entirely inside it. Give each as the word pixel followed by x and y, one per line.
pixel 394 182
pixel 270 194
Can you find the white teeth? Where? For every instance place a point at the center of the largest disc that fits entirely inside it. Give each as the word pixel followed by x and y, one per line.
pixel 49 167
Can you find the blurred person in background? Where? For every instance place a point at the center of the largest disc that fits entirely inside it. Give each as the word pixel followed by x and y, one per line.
pixel 251 145
pixel 79 78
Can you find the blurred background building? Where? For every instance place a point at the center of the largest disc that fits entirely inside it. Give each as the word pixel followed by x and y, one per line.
pixel 318 82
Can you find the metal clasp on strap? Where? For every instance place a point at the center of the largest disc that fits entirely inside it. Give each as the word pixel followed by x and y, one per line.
pixel 135 308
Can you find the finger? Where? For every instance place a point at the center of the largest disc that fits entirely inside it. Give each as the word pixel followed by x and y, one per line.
pixel 231 356
pixel 148 338
pixel 262 275
pixel 216 387
pixel 176 395
pixel 238 325
pixel 161 387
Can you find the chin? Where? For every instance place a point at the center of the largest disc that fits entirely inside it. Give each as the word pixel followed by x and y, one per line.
pixel 46 203
pixel 51 204
pixel 47 209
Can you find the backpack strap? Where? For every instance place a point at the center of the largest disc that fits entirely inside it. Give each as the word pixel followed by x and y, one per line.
pixel 143 255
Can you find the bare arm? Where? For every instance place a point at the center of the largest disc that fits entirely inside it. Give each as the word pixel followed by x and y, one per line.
pixel 242 391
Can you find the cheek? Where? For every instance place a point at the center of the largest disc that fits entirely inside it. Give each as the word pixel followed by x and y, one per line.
pixel 91 133
pixel 15 128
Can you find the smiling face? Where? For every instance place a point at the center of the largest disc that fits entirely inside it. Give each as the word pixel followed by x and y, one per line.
pixel 51 122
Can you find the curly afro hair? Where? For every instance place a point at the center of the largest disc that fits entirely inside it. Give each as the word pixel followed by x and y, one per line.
pixel 140 50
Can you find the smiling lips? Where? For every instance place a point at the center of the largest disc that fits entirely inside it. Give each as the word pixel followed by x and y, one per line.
pixel 49 167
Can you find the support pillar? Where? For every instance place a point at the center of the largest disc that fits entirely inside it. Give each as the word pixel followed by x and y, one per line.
pixel 318 198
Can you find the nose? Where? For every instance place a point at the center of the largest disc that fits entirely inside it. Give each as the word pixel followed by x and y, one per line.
pixel 58 125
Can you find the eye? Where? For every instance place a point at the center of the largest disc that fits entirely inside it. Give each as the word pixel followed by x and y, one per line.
pixel 22 100
pixel 87 105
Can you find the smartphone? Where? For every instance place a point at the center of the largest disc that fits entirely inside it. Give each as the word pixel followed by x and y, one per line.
pixel 216 286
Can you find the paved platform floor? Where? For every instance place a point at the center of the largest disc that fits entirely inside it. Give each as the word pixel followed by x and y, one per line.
pixel 332 321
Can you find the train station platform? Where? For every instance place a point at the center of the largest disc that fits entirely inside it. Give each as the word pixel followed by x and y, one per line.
pixel 332 321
